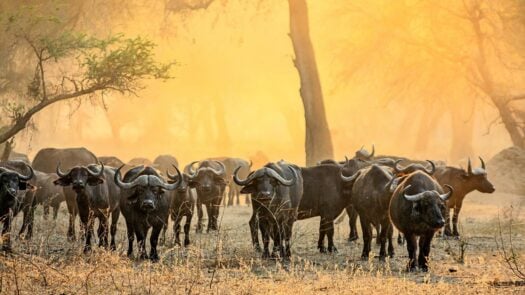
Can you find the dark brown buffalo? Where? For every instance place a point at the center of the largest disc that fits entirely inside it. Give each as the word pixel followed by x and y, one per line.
pixel 12 199
pixel 209 180
pixel 371 199
pixel 230 164
pixel 463 182
pixel 46 161
pixel 276 191
pixel 165 162
pixel 418 209
pixel 144 205
pixel 326 195
pixel 182 206
pixel 97 196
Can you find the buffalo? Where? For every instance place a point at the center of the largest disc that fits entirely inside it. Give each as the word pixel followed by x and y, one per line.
pixel 110 161
pixel 46 161
pixel 230 164
pixel 47 193
pixel 182 206
pixel 97 196
pixel 463 182
pixel 11 199
pixel 276 191
pixel 144 205
pixel 418 209
pixel 209 180
pixel 371 199
pixel 164 162
pixel 326 195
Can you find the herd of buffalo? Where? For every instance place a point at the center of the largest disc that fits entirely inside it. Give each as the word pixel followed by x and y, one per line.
pixel 414 196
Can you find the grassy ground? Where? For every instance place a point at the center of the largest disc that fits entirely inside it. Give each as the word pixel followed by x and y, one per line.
pixel 225 262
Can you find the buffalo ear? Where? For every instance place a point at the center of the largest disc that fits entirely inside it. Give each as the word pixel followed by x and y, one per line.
pixel 22 185
pixel 63 181
pixel 249 189
pixel 93 181
pixel 465 177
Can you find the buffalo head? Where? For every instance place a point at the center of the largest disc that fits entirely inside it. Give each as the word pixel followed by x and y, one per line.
pixel 80 176
pixel 477 178
pixel 11 181
pixel 429 206
pixel 208 176
pixel 262 184
pixel 146 187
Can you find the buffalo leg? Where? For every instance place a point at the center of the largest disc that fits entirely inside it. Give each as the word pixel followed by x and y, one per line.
pixel 140 232
pixel 46 206
pixel 210 216
pixel 231 195
pixel 400 238
pixel 254 230
pixel 87 222
pixel 177 218
pixel 411 240
pixel 424 250
pixel 103 230
pixel 330 235
pixel 200 225
pixel 155 232
pixel 264 227
pixel 131 237
pixel 367 237
pixel 187 226
pixel 6 233
pixel 455 218
pixel 352 222
pixel 55 211
pixel 287 240
pixel 277 241
pixel 322 234
pixel 448 230
pixel 390 235
pixel 113 230
pixel 71 236
pixel 382 237
pixel 29 216
pixel 162 239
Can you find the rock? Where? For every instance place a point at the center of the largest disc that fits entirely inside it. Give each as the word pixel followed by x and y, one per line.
pixel 506 170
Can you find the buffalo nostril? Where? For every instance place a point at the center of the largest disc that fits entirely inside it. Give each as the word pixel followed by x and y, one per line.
pixel 441 222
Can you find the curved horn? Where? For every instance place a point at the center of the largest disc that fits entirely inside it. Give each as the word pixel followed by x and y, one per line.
pixel 413 198
pixel 172 186
pixel 172 176
pixel 350 178
pixel 469 167
pixel 432 168
pixel 373 152
pixel 219 172
pixel 28 177
pixel 482 163
pixel 248 179
pixel 192 172
pixel 59 171
pixel 398 169
pixel 279 178
pixel 446 196
pixel 100 171
pixel 122 184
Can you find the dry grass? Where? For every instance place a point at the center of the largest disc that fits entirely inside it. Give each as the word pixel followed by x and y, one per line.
pixel 225 263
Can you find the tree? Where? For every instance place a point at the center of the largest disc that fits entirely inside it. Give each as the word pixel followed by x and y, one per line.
pixel 318 145
pixel 318 141
pixel 70 65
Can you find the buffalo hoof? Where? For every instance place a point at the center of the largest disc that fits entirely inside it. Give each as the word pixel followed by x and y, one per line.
pixel 71 238
pixel 364 257
pixel 143 256
pixel 257 248
pixel 154 258
pixel 332 249
pixel 7 249
pixel 391 254
pixel 87 249
pixel 266 255
pixel 177 242
pixel 322 249
pixel 423 268
pixel 187 243
pixel 382 258
pixel 353 238
pixel 113 247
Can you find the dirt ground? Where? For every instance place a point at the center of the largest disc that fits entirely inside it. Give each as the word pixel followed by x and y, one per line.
pixel 225 263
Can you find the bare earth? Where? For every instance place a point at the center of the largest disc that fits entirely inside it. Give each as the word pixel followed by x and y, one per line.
pixel 225 263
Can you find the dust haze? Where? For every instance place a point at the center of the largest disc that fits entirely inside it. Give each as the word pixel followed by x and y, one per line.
pixel 235 89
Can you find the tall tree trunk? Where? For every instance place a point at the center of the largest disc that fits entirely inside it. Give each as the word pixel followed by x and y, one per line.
pixel 428 122
pixel 516 133
pixel 318 142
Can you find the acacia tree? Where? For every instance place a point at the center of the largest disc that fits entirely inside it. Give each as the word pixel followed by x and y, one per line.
pixel 318 141
pixel 70 65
